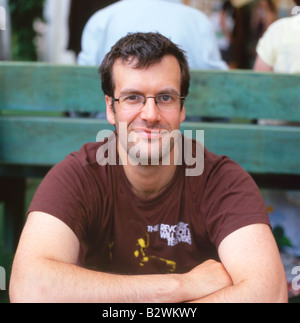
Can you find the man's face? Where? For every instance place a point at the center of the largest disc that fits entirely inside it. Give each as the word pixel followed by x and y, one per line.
pixel 146 126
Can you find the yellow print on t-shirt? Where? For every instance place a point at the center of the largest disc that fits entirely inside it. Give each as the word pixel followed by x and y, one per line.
pixel 141 253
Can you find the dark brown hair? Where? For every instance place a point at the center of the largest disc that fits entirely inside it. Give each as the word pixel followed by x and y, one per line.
pixel 147 49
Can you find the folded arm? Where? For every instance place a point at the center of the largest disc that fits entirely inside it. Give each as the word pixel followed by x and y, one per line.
pixel 251 258
pixel 46 269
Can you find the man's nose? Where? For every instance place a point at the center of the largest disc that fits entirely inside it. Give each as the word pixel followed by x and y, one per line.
pixel 150 111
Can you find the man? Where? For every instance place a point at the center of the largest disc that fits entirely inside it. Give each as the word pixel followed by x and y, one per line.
pixel 185 26
pixel 142 232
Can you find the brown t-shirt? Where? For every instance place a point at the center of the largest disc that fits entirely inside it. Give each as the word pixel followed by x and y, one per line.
pixel 173 232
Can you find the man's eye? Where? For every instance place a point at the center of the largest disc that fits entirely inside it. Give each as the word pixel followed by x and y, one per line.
pixel 165 98
pixel 132 98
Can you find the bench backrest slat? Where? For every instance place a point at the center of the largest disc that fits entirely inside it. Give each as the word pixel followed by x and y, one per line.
pixel 45 141
pixel 234 94
pixel 245 94
pixel 52 88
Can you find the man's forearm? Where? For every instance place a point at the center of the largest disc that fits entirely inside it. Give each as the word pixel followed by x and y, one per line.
pixel 52 281
pixel 246 292
pixel 231 294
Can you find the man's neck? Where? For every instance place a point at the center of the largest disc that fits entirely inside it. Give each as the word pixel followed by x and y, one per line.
pixel 148 181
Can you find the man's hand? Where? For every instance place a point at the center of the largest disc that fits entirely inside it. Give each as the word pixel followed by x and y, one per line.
pixel 205 279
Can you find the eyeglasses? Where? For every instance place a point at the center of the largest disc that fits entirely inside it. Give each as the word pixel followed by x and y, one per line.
pixel 162 101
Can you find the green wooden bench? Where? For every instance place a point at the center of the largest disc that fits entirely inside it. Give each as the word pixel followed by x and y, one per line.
pixel 35 134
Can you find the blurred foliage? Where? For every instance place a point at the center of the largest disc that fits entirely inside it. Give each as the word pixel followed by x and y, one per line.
pixel 23 14
pixel 281 239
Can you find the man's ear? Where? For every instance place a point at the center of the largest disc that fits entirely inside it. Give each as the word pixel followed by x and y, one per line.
pixel 110 113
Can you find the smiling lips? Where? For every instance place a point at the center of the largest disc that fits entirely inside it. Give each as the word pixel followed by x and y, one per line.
pixel 150 133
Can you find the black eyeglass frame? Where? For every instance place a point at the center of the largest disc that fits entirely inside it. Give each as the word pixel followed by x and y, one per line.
pixel 182 98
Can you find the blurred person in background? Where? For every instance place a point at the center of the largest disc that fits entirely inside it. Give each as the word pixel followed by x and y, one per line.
pixel 279 48
pixel 185 26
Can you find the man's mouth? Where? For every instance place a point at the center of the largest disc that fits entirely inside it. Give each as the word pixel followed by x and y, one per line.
pixel 149 133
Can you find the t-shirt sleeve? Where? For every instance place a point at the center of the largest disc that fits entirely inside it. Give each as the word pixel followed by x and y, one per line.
pixel 62 194
pixel 234 201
